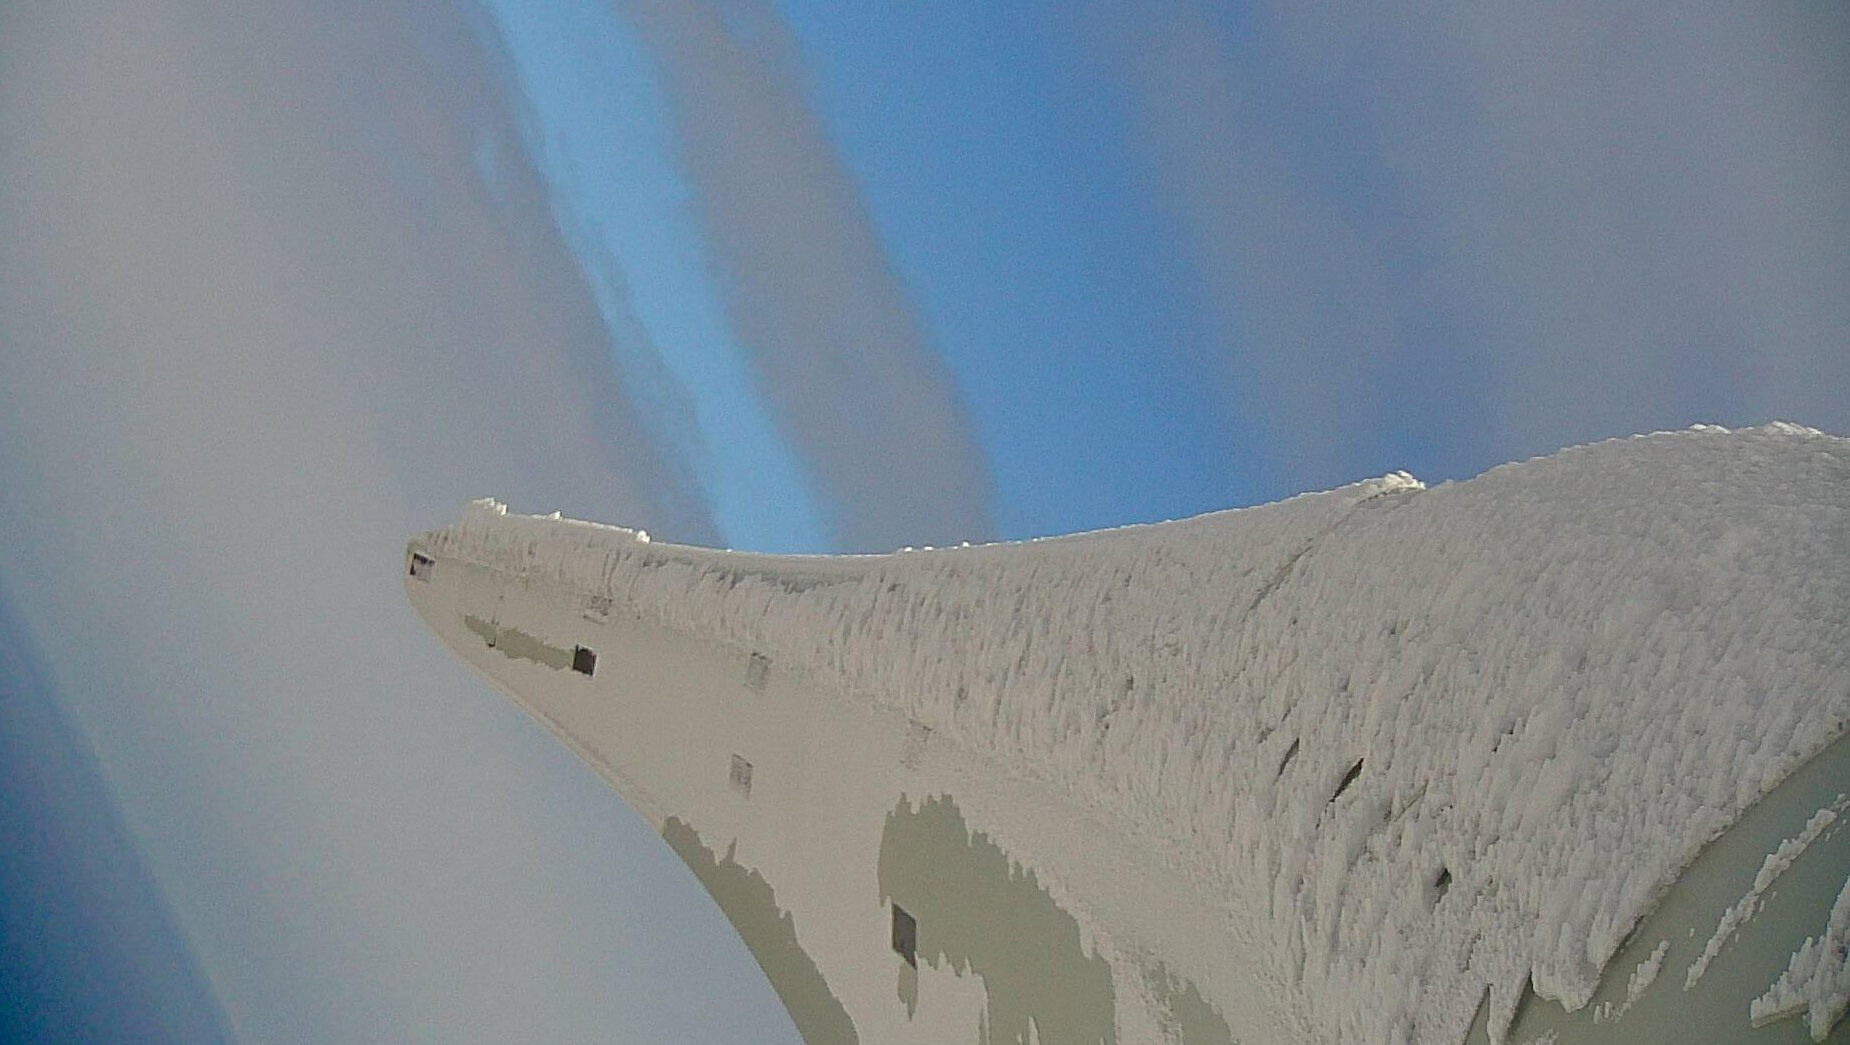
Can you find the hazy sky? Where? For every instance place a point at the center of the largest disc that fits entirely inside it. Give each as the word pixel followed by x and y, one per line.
pixel 284 282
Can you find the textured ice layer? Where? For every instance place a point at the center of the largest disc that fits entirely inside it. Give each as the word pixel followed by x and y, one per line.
pixel 1777 863
pixel 1551 685
pixel 1817 979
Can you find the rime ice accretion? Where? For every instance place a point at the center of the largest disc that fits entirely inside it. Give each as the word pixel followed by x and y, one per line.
pixel 1554 683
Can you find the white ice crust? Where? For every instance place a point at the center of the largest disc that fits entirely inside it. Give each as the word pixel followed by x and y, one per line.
pixel 1644 974
pixel 1817 978
pixel 1776 863
pixel 1560 679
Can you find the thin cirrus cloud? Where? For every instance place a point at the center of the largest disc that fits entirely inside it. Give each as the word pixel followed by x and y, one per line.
pixel 1485 233
pixel 839 351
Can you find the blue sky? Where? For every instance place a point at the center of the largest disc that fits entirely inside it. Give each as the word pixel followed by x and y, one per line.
pixel 282 283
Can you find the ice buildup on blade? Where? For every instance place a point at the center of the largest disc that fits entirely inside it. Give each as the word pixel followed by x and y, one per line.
pixel 1377 764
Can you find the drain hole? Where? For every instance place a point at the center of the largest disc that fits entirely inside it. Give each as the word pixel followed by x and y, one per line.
pixel 905 936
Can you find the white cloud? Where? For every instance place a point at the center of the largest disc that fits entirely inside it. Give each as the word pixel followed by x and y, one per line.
pixel 1480 233
pixel 261 322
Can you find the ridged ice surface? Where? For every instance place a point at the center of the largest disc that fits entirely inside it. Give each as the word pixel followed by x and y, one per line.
pixel 1553 683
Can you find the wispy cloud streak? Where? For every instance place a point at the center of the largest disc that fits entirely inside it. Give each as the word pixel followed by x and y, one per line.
pixel 593 128
pixel 838 348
